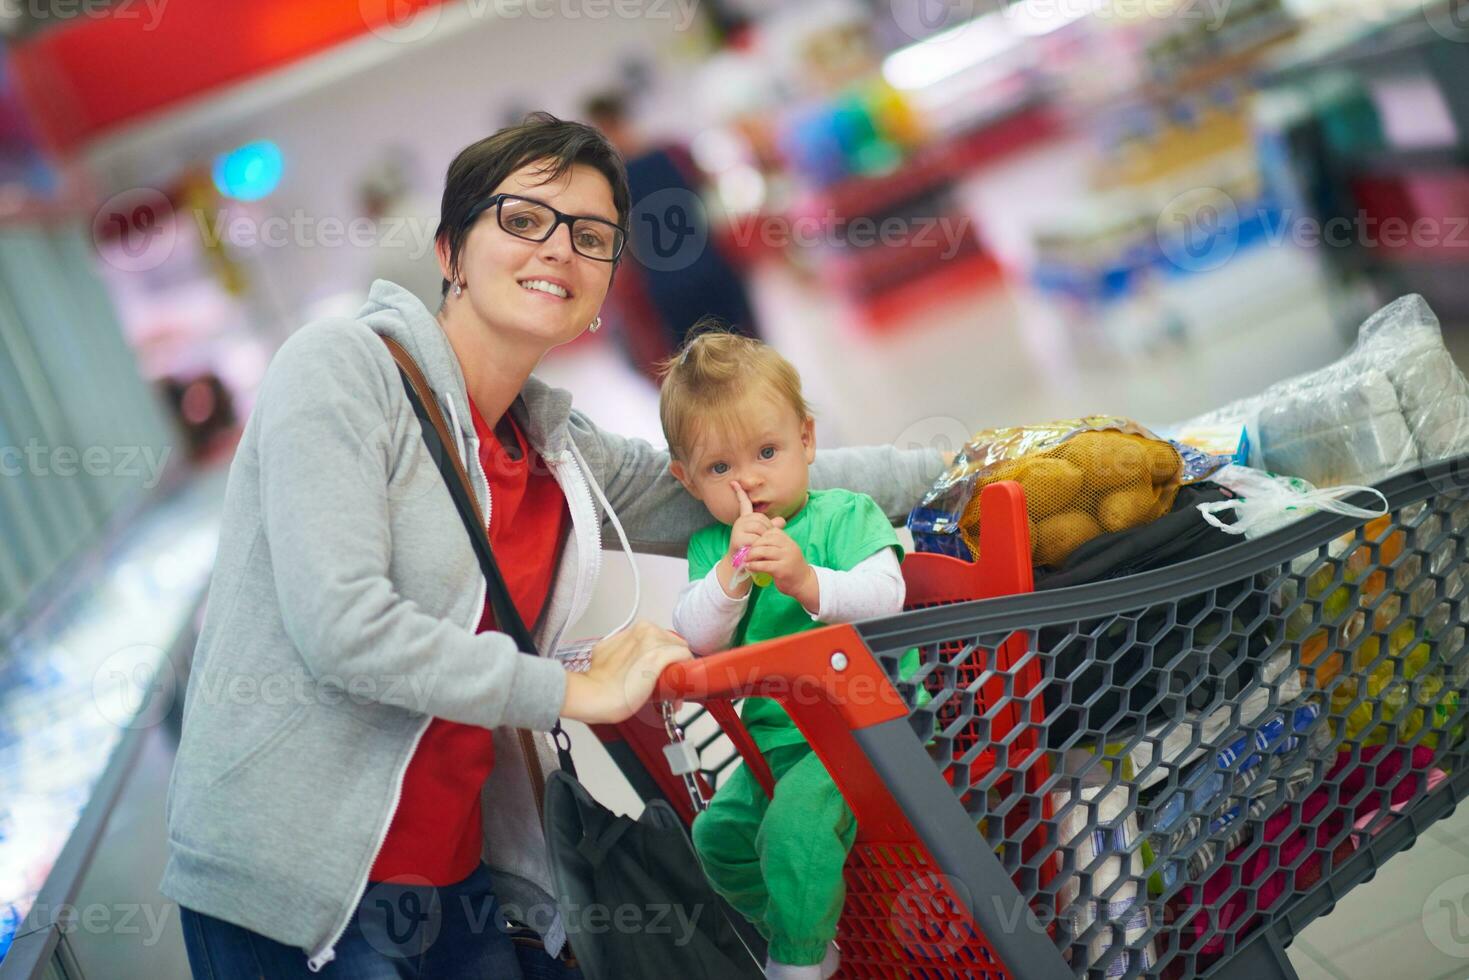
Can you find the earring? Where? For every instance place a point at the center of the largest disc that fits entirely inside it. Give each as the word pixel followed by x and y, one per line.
pixel 458 286
pixel 595 325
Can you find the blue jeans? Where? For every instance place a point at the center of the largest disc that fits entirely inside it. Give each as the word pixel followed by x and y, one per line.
pixel 399 932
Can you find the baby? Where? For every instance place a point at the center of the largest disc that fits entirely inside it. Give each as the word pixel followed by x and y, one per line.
pixel 741 438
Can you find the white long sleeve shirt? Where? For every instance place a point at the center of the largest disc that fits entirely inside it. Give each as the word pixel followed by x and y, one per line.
pixel 706 616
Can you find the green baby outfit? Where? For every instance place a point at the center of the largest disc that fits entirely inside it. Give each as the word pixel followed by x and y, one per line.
pixel 779 861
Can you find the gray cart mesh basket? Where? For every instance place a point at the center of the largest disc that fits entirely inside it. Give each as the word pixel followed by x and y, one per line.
pixel 1230 744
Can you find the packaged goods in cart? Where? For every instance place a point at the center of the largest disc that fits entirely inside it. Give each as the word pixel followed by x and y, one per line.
pixel 1300 836
pixel 1402 693
pixel 1230 440
pixel 1082 478
pixel 1100 831
pixel 1199 463
pixel 1393 401
pixel 1183 815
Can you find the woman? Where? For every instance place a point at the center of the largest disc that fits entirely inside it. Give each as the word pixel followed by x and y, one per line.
pixel 347 750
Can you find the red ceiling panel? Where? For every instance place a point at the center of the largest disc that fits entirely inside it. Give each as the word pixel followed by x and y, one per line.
pixel 96 73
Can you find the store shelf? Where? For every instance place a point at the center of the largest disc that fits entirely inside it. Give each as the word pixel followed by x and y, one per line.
pixel 1412 161
pixel 80 686
pixel 1355 48
pixel 964 275
pixel 1228 67
pixel 939 164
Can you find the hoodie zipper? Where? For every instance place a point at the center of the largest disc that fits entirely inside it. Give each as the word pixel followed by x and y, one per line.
pixel 484 480
pixel 317 961
pixel 327 953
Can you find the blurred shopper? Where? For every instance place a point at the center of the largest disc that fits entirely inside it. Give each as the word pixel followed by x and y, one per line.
pixel 204 410
pixel 402 252
pixel 654 303
pixel 350 797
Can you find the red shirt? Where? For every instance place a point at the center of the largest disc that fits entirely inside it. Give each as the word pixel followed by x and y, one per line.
pixel 435 832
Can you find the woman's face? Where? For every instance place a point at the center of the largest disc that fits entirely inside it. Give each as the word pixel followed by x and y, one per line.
pixel 496 266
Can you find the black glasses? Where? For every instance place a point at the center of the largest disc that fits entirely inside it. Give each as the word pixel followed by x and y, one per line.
pixel 536 222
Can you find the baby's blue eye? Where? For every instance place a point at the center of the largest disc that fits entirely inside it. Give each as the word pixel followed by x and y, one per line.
pixel 718 469
pixel 768 452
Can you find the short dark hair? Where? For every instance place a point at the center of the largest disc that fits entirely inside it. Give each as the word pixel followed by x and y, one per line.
pixel 482 166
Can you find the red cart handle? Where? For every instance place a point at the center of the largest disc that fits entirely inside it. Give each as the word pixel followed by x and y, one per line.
pixel 827 666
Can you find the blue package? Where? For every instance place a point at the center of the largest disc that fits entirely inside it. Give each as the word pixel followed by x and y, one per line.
pixel 937 532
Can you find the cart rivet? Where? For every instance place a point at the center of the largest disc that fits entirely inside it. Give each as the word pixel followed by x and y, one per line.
pixel 839 661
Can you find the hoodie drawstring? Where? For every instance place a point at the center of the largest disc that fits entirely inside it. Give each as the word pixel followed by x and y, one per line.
pixel 458 435
pixel 637 580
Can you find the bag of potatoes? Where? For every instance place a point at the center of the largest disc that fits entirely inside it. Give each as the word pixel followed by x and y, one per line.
pixel 1082 478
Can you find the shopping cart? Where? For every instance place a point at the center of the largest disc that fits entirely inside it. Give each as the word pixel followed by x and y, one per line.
pixel 1165 775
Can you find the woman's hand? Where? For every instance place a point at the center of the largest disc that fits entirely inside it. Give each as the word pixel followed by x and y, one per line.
pixel 777 554
pixel 624 668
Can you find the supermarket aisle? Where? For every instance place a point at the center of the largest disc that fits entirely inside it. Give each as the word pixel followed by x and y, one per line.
pixel 997 358
pixel 1002 358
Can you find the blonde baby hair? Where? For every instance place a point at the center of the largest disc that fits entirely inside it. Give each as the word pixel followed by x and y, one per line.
pixel 705 382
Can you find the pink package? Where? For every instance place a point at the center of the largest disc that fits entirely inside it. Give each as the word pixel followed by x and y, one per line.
pixel 1263 872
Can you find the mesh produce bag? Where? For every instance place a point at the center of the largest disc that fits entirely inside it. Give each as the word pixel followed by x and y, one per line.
pixel 1082 477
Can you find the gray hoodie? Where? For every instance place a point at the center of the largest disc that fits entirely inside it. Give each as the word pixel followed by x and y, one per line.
pixel 342 615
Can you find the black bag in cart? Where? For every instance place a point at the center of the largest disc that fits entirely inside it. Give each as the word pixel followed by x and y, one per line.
pixel 636 901
pixel 1179 535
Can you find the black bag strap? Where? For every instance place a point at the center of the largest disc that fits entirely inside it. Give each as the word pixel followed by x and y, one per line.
pixel 596 847
pixel 451 467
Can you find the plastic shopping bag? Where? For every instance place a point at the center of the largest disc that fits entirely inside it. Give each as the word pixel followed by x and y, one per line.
pixel 1265 502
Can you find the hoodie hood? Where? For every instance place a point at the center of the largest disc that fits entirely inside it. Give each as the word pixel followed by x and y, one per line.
pixel 541 410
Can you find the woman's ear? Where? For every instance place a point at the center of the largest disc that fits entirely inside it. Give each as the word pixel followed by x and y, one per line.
pixel 808 439
pixel 441 249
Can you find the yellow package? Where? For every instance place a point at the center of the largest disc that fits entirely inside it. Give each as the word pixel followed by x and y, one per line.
pixel 1403 693
pixel 1352 560
pixel 1082 478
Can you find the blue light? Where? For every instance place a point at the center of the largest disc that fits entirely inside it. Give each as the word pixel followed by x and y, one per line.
pixel 250 172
